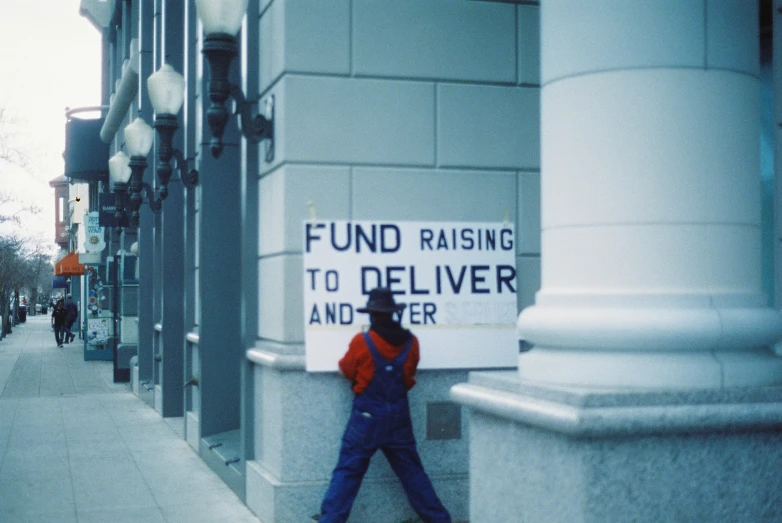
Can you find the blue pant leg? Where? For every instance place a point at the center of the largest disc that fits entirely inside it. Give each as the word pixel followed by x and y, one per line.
pixel 357 449
pixel 406 463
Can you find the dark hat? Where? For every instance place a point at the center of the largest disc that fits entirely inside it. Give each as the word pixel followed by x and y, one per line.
pixel 381 300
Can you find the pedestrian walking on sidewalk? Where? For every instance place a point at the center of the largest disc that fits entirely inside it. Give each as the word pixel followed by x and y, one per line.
pixel 381 366
pixel 59 315
pixel 72 311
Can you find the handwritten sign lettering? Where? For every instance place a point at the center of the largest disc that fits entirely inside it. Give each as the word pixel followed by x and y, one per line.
pixel 458 281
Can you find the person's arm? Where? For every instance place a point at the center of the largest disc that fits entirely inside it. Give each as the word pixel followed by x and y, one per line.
pixel 349 362
pixel 411 365
pixel 357 365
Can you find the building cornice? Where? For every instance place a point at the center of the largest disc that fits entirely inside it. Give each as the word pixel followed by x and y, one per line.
pixel 98 12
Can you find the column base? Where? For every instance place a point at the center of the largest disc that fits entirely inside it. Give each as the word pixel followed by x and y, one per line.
pixel 651 369
pixel 158 395
pixel 683 344
pixel 557 454
pixel 135 382
pixel 193 429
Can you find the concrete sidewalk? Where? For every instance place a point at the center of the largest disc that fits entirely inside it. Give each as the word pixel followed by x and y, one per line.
pixel 76 447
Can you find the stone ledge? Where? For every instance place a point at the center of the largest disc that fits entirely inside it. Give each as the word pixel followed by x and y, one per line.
pixel 278 356
pixel 600 413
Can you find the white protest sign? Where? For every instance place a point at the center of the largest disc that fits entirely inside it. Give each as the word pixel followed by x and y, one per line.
pixel 458 280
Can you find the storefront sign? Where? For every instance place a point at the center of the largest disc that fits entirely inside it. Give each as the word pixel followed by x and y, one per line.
pixel 458 280
pixel 108 211
pixel 69 265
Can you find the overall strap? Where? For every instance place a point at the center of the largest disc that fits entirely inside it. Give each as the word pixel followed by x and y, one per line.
pixel 405 351
pixel 380 359
pixel 372 349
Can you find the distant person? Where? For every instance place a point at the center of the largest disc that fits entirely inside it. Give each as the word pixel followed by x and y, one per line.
pixel 381 366
pixel 72 311
pixel 22 311
pixel 59 314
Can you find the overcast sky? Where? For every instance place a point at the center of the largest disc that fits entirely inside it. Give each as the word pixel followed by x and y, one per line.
pixel 49 59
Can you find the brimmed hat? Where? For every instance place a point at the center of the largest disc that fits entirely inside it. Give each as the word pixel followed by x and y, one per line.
pixel 381 300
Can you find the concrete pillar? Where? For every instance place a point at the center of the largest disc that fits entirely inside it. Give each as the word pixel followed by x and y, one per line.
pixel 221 352
pixel 776 85
pixel 172 242
pixel 650 199
pixel 146 238
pixel 651 393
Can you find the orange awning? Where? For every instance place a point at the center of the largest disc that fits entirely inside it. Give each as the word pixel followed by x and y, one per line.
pixel 69 265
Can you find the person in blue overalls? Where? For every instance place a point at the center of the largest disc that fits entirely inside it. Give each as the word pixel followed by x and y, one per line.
pixel 381 366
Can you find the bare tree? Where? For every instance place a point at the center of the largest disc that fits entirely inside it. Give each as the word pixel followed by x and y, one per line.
pixel 22 259
pixel 22 271
pixel 10 278
pixel 40 264
pixel 10 152
pixel 12 209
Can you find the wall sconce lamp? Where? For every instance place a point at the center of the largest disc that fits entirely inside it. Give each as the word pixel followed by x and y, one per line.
pixel 119 172
pixel 167 94
pixel 138 141
pixel 222 20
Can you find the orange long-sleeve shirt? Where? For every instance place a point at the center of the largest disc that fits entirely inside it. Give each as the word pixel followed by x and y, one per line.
pixel 357 364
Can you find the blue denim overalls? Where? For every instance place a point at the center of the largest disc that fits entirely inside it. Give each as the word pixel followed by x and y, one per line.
pixel 380 419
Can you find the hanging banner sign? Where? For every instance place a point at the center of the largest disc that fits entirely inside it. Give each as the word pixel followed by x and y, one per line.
pixel 96 238
pixel 457 279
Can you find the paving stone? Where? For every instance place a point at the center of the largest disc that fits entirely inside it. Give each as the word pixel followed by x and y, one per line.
pixel 77 448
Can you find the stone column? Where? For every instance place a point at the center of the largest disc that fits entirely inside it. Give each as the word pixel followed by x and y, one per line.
pixel 651 393
pixel 146 238
pixel 172 232
pixel 776 86
pixel 650 199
